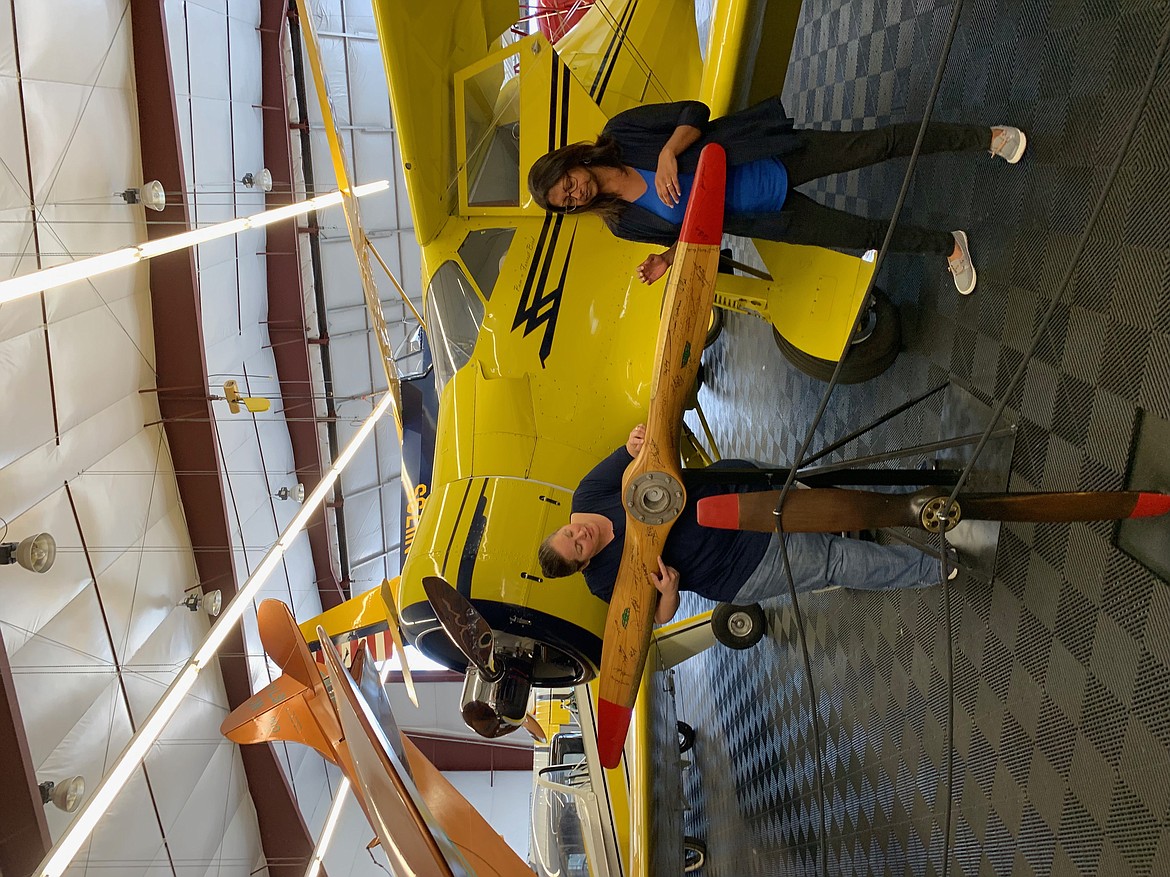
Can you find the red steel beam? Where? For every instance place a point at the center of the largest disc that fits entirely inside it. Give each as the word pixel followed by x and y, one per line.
pixel 190 424
pixel 24 832
pixel 286 307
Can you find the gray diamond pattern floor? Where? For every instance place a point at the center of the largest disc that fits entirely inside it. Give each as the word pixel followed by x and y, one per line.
pixel 1061 663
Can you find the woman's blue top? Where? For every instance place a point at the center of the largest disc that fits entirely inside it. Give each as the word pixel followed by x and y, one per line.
pixel 756 187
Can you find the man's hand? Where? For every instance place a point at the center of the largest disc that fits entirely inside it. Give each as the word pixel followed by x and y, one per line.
pixel 666 581
pixel 636 440
pixel 653 267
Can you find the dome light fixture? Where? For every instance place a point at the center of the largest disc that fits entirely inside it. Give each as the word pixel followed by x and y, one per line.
pixel 65 795
pixel 263 179
pixel 149 195
pixel 297 493
pixel 211 602
pixel 34 553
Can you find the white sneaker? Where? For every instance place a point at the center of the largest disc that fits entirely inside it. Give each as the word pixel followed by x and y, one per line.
pixel 961 266
pixel 1008 143
pixel 952 564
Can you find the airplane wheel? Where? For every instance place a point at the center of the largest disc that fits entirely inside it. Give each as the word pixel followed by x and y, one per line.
pixel 694 854
pixel 873 350
pixel 686 737
pixel 714 327
pixel 738 627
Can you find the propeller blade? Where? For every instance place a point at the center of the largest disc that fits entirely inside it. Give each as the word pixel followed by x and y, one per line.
pixel 463 623
pixel 532 726
pixel 396 635
pixel 690 293
pixel 817 510
pixel 829 510
pixel 1059 507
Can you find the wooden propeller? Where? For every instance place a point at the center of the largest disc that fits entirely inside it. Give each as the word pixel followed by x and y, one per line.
pixel 826 510
pixel 653 481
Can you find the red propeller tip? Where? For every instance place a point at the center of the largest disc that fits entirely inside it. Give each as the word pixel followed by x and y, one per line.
pixel 720 512
pixel 1151 504
pixel 703 221
pixel 613 721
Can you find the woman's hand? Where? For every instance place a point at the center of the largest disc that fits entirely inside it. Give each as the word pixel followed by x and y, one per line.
pixel 653 267
pixel 666 581
pixel 666 178
pixel 636 440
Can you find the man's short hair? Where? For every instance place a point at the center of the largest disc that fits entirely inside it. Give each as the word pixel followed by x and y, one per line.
pixel 553 564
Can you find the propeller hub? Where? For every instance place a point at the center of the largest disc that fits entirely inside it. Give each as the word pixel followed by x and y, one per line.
pixel 938 515
pixel 655 498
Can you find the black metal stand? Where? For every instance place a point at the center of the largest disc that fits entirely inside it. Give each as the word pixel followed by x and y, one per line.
pixel 847 472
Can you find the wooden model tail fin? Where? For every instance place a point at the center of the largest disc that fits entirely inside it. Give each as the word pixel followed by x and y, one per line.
pixel 284 709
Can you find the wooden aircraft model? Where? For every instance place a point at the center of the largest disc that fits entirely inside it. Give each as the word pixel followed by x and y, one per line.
pixel 422 823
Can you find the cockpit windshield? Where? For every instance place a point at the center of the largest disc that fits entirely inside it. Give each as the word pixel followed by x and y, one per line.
pixel 564 838
pixel 454 312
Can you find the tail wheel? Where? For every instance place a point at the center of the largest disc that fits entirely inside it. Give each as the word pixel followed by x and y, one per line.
pixel 738 627
pixel 694 854
pixel 686 737
pixel 874 347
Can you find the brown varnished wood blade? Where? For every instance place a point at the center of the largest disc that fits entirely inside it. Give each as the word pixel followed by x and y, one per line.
pixel 630 620
pixel 1058 507
pixel 819 510
pixel 830 510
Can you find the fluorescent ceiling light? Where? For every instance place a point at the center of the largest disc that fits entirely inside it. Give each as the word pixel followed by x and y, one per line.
pixel 83 269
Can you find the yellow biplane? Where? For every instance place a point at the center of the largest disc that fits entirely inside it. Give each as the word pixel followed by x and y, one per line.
pixel 542 343
pixel 541 335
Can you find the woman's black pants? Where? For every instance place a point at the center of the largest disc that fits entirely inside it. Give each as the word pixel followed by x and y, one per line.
pixel 834 152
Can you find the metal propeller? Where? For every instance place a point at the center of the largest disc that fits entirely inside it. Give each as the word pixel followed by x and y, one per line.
pixel 469 631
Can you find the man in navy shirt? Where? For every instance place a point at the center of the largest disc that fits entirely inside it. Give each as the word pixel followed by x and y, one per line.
pixel 730 566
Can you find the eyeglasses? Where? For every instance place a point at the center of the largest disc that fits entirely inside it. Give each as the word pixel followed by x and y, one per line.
pixel 568 202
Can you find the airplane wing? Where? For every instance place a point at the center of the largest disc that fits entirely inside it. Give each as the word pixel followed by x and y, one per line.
pixel 412 838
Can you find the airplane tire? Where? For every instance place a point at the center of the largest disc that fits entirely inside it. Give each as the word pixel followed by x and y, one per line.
pixel 714 327
pixel 738 627
pixel 686 737
pixel 694 854
pixel 868 357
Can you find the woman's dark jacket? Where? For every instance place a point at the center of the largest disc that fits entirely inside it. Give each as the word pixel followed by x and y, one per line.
pixel 760 131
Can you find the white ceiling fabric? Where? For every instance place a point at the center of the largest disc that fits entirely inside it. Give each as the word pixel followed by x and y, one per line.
pixel 93 649
pixel 94 642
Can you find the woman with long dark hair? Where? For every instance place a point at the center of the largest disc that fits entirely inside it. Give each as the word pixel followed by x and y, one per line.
pixel 637 177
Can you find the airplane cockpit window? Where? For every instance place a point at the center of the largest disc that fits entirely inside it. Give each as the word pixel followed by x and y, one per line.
pixel 492 125
pixel 483 253
pixel 454 313
pixel 566 838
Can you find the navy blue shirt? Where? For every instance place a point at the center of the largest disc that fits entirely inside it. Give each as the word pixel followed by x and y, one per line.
pixel 710 562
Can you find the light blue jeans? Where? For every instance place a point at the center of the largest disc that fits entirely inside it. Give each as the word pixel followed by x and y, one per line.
pixel 820 560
